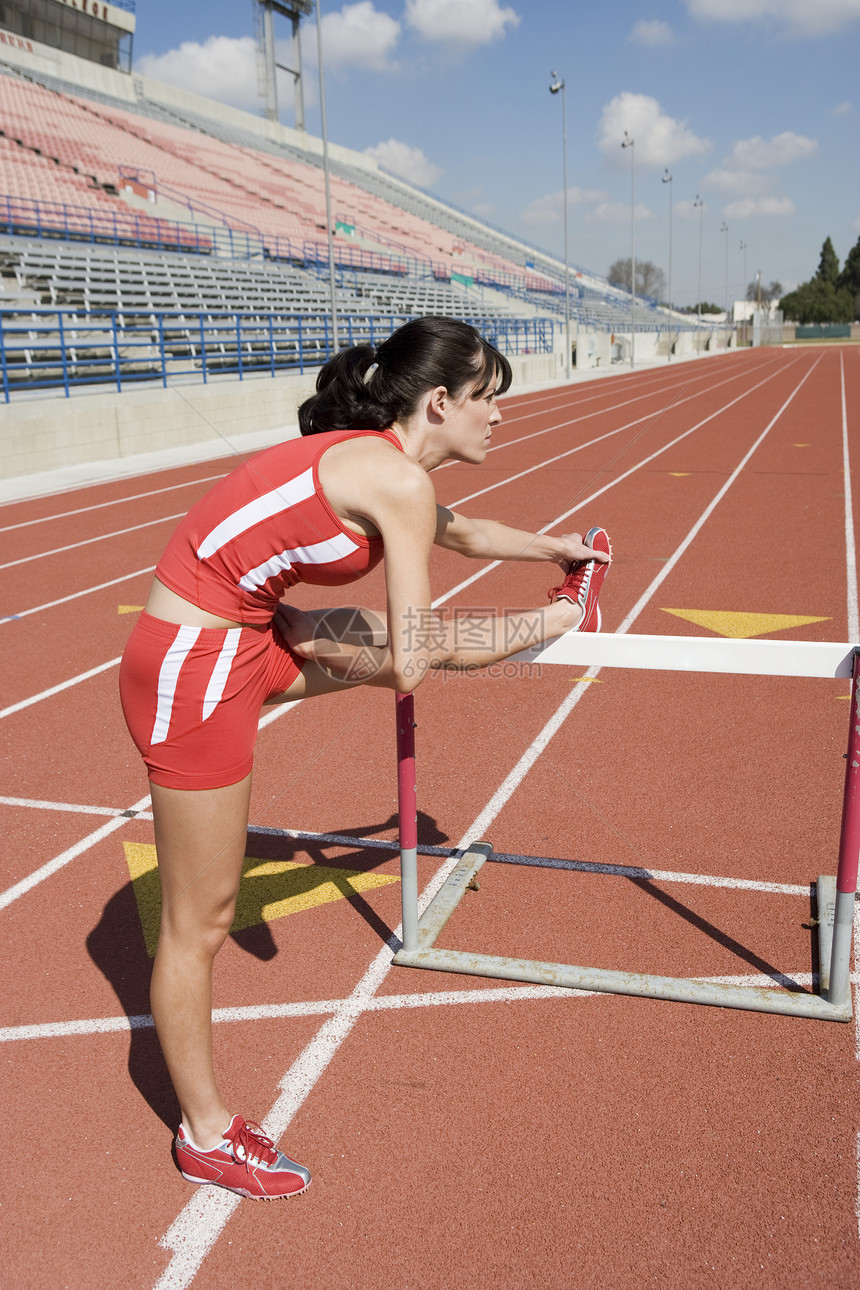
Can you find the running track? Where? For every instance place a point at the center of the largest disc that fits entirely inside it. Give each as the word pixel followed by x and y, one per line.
pixel 464 1133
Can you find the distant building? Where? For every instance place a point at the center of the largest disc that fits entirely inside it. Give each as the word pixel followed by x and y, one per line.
pixel 101 33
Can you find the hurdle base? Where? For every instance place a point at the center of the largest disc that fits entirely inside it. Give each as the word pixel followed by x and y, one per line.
pixel 606 981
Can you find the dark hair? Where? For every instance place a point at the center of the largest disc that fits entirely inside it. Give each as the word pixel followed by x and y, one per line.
pixel 366 389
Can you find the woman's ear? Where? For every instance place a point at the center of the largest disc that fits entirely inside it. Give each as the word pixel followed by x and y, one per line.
pixel 438 402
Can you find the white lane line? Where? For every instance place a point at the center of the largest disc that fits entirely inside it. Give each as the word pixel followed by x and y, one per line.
pixel 638 872
pixel 629 425
pixel 605 411
pixel 198 1226
pixel 60 806
pixel 530 756
pixel 102 537
pixel 75 595
pixel 279 710
pixel 60 861
pixel 586 501
pixel 379 1003
pixel 57 689
pixel 119 501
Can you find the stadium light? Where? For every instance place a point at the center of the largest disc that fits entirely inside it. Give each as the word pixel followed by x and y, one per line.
pixel 667 179
pixel 627 142
pixel 701 205
pixel 329 230
pixel 743 247
pixel 557 87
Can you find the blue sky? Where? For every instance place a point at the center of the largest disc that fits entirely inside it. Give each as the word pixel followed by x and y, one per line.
pixel 752 104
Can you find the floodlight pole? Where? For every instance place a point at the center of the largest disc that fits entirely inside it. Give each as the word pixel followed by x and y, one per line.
pixel 746 288
pixel 328 216
pixel 667 179
pixel 701 205
pixel 627 142
pixel 724 228
pixel 557 87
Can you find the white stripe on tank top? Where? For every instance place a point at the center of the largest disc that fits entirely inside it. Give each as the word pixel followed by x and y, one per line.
pixel 262 508
pixel 326 552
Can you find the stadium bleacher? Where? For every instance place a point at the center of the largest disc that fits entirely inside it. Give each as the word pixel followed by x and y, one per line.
pixel 166 237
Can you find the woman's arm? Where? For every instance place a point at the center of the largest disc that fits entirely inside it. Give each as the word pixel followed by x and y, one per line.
pixel 490 540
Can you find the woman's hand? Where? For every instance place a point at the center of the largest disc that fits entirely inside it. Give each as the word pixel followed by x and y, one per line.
pixel 576 550
pixel 299 630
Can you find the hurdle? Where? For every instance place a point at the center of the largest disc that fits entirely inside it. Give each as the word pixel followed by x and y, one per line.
pixel 834 895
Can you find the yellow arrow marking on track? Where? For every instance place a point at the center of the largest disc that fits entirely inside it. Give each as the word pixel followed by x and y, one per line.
pixel 269 889
pixel 801 445
pixel 680 474
pixel 129 609
pixel 727 622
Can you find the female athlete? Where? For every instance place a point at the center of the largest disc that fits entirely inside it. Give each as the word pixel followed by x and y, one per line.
pixel 216 642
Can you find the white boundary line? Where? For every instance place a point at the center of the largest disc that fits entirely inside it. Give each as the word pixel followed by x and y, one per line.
pixel 60 861
pixel 199 1224
pixel 101 537
pixel 57 689
pixel 76 595
pixel 98 506
pixel 379 1003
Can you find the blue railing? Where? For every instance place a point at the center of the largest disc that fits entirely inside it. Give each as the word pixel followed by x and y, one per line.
pixel 48 349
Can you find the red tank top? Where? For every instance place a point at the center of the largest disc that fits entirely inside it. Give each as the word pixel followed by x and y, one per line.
pixel 264 528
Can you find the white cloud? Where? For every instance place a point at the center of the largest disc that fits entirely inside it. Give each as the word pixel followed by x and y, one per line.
pixel 759 206
pixel 799 17
pixel 618 213
pixel 407 162
pixel 359 36
pixel 842 109
pixel 222 68
pixel 763 154
pixel 659 139
pixel 462 22
pixel 744 175
pixel 651 31
pixel 550 208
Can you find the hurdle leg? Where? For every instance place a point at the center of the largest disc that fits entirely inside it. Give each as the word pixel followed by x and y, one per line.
pixel 407 807
pixel 849 854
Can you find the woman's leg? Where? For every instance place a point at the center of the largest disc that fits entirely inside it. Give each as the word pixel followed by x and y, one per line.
pixel 200 838
pixel 347 647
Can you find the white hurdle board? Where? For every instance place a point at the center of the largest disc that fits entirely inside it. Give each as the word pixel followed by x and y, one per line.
pixel 835 896
pixel 695 654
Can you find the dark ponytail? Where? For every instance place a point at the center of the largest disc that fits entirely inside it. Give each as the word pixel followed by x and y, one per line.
pixel 363 389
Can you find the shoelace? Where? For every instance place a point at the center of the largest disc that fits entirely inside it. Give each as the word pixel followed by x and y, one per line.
pixel 573 579
pixel 255 1147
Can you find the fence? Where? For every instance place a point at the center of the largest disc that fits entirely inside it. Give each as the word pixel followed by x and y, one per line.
pixel 47 349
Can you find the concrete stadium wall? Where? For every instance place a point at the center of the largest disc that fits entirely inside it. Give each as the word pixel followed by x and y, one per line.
pixel 186 422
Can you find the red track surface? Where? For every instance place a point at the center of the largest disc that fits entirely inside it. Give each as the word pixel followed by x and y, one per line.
pixel 464 1132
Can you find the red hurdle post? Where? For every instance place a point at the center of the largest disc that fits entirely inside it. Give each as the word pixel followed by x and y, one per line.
pixel 849 854
pixel 407 807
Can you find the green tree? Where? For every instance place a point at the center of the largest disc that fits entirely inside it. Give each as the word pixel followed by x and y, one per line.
pixel 828 265
pixel 818 301
pixel 849 278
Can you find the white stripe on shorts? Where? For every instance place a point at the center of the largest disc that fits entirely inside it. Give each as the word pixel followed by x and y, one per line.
pixel 168 678
pixel 221 671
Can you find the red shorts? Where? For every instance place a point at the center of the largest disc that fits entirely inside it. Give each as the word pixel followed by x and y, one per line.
pixel 192 697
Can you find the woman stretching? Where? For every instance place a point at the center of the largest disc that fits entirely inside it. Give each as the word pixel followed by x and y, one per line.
pixel 215 643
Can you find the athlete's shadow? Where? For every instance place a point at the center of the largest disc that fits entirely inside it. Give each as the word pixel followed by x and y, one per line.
pixel 121 945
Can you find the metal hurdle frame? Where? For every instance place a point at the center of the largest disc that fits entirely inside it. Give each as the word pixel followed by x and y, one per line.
pixel 835 896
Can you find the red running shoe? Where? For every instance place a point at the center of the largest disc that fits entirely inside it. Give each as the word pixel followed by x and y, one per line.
pixel 584 580
pixel 244 1161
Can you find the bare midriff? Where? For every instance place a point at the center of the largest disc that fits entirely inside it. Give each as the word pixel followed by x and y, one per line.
pixel 170 608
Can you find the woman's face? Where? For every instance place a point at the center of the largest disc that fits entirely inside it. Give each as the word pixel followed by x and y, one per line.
pixel 470 424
